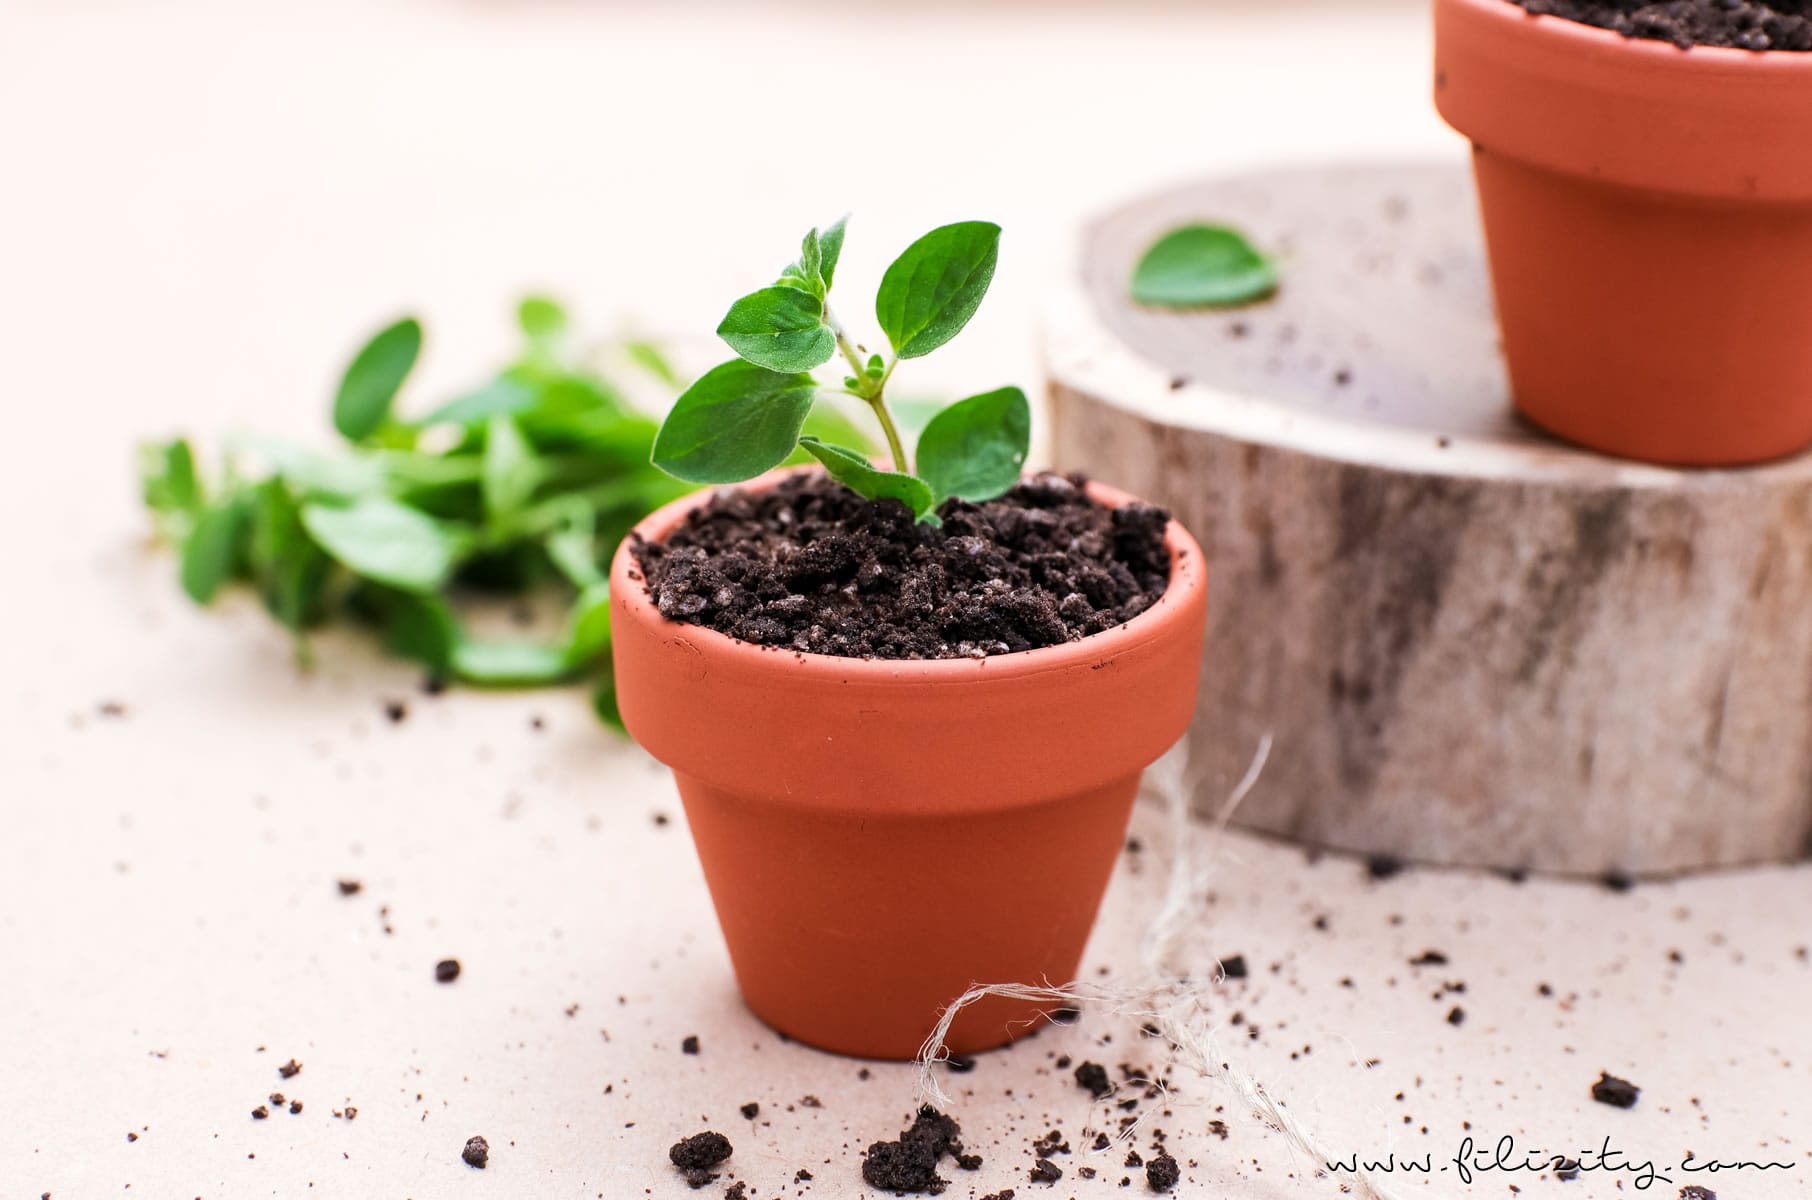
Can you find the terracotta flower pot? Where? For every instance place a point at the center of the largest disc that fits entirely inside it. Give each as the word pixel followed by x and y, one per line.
pixel 1648 213
pixel 879 835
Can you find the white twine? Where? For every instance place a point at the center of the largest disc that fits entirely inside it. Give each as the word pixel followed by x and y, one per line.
pixel 1167 1001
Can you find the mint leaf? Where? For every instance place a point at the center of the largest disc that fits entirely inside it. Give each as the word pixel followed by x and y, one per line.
pixel 573 549
pixel 780 328
pixel 1202 266
pixel 509 664
pixel 540 318
pixel 648 356
pixel 737 421
pixel 511 470
pixel 976 448
pixel 386 541
pixel 855 472
pixel 421 628
pixel 291 571
pixel 167 473
pixel 502 395
pixel 373 379
pixel 214 548
pixel 588 629
pixel 931 291
pixel 312 472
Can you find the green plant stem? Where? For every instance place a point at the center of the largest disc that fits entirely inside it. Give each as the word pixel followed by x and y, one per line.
pixel 870 391
pixel 894 447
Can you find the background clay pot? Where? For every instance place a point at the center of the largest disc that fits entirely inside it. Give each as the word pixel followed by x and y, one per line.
pixel 879 835
pixel 1648 213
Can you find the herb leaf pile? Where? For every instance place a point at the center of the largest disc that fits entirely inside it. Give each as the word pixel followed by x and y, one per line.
pixel 524 484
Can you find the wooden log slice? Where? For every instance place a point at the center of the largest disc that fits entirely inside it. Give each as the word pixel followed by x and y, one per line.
pixel 1472 644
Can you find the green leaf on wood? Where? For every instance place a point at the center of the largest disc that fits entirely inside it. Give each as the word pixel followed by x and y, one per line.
pixel 1203 266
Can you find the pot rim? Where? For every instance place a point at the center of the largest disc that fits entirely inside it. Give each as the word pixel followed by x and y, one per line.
pixel 1711 60
pixel 1188 575
pixel 1711 123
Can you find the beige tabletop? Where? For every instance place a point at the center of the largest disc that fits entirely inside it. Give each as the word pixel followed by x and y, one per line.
pixel 202 207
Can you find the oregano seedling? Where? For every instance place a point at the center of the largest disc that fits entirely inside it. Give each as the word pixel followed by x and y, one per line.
pixel 1203 266
pixel 748 415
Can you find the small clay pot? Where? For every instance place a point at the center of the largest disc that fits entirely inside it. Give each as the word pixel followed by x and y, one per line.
pixel 879 835
pixel 1648 214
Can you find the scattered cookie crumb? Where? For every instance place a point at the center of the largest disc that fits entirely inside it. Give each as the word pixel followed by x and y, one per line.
pixel 446 970
pixel 689 1044
pixel 477 1152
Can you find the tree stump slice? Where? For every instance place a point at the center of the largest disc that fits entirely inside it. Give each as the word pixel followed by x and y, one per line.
pixel 1472 644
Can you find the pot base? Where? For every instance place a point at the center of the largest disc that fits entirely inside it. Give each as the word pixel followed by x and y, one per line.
pixel 1663 329
pixel 851 928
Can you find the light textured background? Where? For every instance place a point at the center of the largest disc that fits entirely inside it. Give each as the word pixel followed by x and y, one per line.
pixel 202 207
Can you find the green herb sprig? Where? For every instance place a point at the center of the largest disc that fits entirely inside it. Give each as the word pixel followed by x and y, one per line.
pixel 524 484
pixel 750 414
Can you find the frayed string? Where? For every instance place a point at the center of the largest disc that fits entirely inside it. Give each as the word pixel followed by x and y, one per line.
pixel 1168 1002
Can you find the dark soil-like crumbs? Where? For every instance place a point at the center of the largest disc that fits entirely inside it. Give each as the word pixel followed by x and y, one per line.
pixel 1618 1093
pixel 1162 1172
pixel 696 1155
pixel 1093 1077
pixel 910 1164
pixel 811 566
pixel 477 1152
pixel 1739 24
